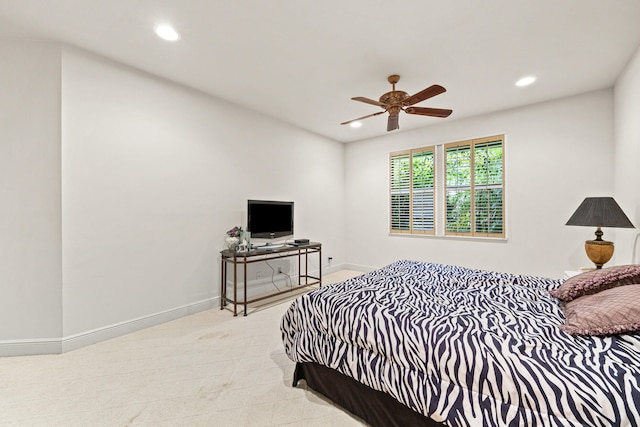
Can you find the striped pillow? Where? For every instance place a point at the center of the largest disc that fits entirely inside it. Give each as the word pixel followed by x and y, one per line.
pixel 609 312
pixel 596 281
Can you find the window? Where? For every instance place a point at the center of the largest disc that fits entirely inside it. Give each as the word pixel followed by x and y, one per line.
pixel 471 184
pixel 413 191
pixel 474 187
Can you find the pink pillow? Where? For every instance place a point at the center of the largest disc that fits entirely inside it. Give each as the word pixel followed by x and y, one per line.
pixel 596 281
pixel 612 311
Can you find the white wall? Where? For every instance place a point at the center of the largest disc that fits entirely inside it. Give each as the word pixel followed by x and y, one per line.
pixel 154 174
pixel 627 159
pixel 557 153
pixel 30 233
pixel 118 187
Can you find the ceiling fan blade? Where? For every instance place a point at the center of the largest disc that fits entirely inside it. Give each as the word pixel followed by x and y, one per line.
pixel 433 112
pixel 392 123
pixel 369 101
pixel 427 93
pixel 363 117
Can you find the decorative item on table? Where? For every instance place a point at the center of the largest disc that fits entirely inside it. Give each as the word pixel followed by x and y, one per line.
pixel 599 212
pixel 233 238
pixel 246 240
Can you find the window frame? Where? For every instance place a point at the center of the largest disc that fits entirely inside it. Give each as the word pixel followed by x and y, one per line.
pixel 472 144
pixel 440 190
pixel 410 153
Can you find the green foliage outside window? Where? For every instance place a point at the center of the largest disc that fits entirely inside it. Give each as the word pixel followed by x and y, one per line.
pixel 459 211
pixel 458 167
pixel 488 206
pixel 423 170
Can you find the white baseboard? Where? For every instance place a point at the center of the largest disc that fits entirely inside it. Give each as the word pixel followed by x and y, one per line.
pixel 26 347
pixel 30 347
pixel 328 269
pixel 356 267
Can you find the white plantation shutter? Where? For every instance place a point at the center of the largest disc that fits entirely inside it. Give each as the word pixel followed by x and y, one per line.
pixel 474 172
pixel 458 188
pixel 488 160
pixel 400 172
pixel 412 188
pixel 422 194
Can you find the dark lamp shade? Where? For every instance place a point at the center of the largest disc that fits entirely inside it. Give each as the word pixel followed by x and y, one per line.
pixel 600 212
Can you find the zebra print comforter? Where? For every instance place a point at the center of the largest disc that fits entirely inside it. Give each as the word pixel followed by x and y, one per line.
pixel 467 347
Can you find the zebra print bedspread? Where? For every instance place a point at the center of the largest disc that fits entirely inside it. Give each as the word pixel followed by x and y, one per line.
pixel 467 347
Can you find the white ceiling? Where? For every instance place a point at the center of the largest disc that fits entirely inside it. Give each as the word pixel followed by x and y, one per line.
pixel 301 61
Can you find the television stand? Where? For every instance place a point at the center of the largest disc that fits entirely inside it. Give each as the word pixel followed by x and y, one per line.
pixel 244 258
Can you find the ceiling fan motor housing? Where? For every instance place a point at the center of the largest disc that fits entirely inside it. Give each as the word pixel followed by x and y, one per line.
pixel 394 98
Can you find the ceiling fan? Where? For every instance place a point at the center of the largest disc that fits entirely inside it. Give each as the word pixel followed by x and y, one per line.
pixel 397 100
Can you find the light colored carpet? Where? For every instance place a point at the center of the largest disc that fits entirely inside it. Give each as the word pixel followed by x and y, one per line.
pixel 208 369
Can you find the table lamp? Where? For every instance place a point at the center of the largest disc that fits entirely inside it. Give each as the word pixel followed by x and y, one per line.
pixel 599 212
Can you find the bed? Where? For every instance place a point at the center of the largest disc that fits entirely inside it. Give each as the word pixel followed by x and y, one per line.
pixel 417 343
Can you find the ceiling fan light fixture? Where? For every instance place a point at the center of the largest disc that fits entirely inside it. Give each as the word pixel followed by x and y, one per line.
pixel 167 32
pixel 355 125
pixel 526 81
pixel 397 101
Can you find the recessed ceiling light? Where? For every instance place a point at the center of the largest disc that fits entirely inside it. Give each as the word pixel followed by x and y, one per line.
pixel 356 124
pixel 526 81
pixel 167 32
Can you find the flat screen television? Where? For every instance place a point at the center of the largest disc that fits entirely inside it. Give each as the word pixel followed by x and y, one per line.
pixel 269 219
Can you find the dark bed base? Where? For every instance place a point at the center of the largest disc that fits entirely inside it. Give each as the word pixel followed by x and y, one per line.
pixel 373 406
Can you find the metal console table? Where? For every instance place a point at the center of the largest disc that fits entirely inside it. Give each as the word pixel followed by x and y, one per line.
pixel 261 255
